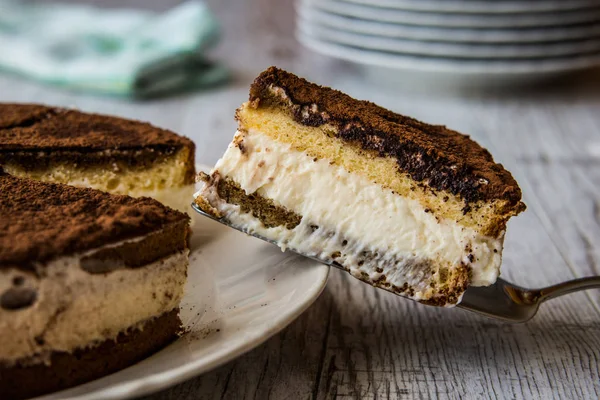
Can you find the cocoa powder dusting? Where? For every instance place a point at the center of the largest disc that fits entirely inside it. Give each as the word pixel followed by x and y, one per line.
pixel 40 221
pixel 38 127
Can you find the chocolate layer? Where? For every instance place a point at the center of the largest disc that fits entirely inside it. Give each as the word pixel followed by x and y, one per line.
pixel 70 369
pixel 262 208
pixel 433 155
pixel 41 221
pixel 33 135
pixel 113 160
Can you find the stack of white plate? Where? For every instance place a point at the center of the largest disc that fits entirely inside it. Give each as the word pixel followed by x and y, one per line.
pixel 512 39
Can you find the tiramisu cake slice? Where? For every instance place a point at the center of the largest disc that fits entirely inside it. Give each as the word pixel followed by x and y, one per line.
pixel 417 209
pixel 89 283
pixel 98 151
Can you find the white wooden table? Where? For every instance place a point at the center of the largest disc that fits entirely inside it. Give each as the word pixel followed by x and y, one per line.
pixel 358 342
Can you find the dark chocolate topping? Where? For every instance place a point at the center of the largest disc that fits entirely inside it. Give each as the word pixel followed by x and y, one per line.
pixel 431 154
pixel 270 214
pixel 37 127
pixel 40 221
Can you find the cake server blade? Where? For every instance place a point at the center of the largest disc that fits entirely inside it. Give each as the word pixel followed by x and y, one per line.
pixel 502 300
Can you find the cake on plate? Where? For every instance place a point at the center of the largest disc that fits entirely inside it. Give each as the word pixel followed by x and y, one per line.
pixel 90 282
pixel 417 209
pixel 98 151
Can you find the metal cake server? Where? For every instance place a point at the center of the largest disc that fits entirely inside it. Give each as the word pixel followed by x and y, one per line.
pixel 506 301
pixel 502 300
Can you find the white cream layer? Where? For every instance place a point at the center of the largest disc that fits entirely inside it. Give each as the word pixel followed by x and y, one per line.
pixel 371 218
pixel 76 309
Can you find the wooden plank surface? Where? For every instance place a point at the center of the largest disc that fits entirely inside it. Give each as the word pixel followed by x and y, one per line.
pixel 358 342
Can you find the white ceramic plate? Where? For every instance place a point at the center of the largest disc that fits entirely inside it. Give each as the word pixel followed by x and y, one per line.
pixel 447 49
pixel 442 34
pixel 461 20
pixel 240 292
pixel 474 6
pixel 475 70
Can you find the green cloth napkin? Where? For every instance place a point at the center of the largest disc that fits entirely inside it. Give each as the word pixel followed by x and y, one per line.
pixel 119 52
